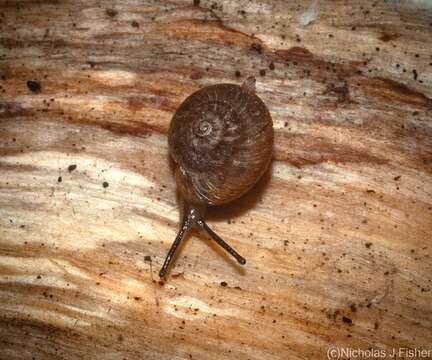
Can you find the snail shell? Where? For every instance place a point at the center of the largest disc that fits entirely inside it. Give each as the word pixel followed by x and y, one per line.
pixel 221 138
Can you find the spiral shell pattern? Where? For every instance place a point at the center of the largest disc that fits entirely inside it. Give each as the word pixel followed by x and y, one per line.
pixel 221 138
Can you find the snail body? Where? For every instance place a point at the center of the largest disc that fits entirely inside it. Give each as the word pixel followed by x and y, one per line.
pixel 221 140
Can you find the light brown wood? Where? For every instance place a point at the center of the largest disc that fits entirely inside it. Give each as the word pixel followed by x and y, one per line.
pixel 337 235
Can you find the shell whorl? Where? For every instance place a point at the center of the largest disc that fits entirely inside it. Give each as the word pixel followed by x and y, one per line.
pixel 221 138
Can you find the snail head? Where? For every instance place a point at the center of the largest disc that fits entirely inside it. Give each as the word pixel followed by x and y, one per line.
pixel 194 207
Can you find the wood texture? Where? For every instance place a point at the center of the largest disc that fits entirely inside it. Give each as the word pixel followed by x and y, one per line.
pixel 337 236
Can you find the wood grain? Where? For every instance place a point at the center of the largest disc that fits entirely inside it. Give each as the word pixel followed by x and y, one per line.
pixel 337 235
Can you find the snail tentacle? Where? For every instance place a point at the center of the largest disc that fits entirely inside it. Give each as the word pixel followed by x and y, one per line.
pixel 193 219
pixel 186 225
pixel 201 223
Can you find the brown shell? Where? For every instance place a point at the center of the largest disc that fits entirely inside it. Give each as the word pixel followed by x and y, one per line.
pixel 221 138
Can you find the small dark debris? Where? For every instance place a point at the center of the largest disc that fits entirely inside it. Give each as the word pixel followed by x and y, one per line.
pixel 370 191
pixel 272 66
pixel 147 258
pixel 105 184
pixel 262 72
pixel 111 12
pixel 415 75
pixel 396 178
pixel 368 245
pixel 377 48
pixel 196 2
pixel 353 308
pixel 223 283
pixel 376 326
pixel 38 277
pixel 34 86
pixel 346 320
pixel 59 179
pixel 137 298
pixel 257 47
pixel 237 73
pixel 72 167
pixel 135 24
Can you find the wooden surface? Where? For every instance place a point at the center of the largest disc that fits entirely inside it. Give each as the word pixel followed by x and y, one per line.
pixel 337 235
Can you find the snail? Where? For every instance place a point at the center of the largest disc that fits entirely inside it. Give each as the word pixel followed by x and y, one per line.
pixel 221 141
